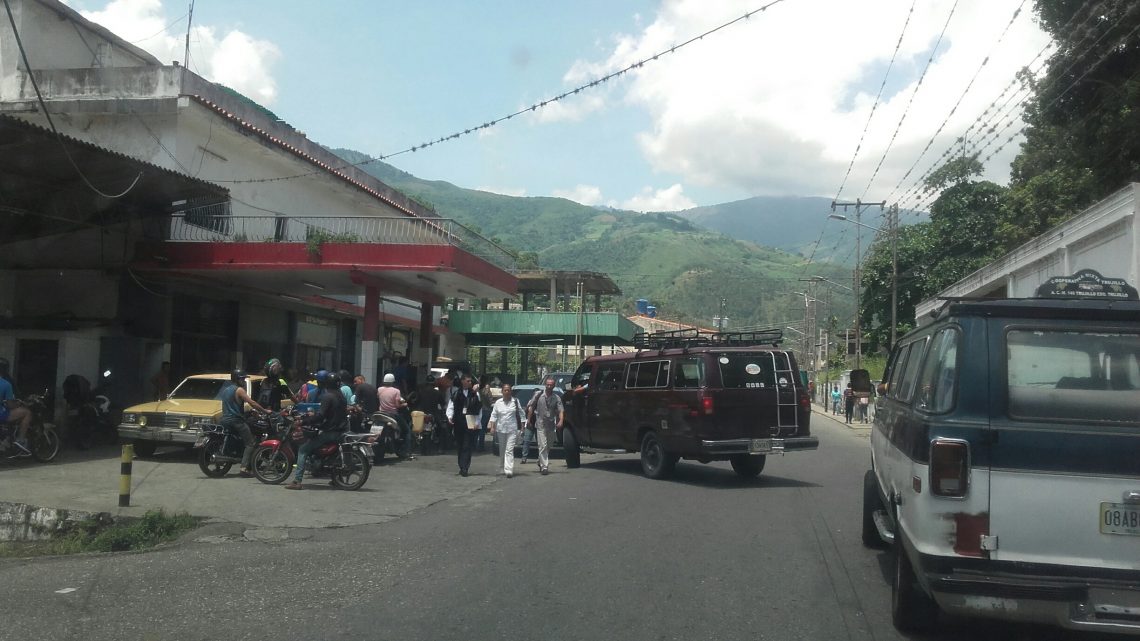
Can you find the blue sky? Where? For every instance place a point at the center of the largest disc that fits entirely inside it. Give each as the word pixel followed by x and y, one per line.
pixel 772 105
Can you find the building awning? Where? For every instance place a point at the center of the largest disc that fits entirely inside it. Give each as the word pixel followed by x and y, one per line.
pixel 538 282
pixel 492 327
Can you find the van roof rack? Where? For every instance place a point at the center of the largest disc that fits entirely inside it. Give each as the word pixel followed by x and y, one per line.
pixel 693 337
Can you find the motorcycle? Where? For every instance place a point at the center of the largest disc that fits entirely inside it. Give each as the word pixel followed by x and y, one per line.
pixel 219 447
pixel 348 461
pixel 88 413
pixel 43 441
pixel 389 436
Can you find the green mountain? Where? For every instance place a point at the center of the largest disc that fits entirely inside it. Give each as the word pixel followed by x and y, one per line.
pixel 683 269
pixel 788 223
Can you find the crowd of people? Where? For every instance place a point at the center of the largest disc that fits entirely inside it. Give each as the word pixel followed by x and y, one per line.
pixel 467 409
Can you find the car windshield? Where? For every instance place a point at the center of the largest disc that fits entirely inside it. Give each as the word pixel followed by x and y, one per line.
pixel 1083 377
pixel 198 388
pixel 753 370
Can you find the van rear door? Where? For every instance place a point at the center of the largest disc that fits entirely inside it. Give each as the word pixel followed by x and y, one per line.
pixel 757 395
pixel 1065 460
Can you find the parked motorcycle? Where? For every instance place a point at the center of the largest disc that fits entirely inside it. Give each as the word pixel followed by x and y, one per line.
pixel 389 436
pixel 43 441
pixel 348 461
pixel 219 446
pixel 89 419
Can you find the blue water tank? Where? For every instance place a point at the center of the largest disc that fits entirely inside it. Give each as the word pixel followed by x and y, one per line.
pixel 651 311
pixel 642 306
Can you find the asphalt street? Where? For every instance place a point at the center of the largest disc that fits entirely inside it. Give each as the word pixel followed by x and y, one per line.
pixel 595 553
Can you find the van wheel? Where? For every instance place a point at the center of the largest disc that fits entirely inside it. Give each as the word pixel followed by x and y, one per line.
pixel 748 466
pixel 656 463
pixel 570 447
pixel 912 610
pixel 145 448
pixel 871 503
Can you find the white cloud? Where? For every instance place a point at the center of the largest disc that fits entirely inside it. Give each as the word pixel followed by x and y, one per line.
pixel 505 191
pixel 776 104
pixel 232 58
pixel 588 195
pixel 668 199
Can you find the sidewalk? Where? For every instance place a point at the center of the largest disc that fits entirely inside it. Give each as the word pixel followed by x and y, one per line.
pixel 171 480
pixel 820 410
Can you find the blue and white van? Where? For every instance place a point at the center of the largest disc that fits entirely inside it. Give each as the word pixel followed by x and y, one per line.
pixel 1005 461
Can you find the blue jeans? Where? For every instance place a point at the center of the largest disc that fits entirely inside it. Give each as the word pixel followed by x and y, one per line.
pixel 308 447
pixel 527 439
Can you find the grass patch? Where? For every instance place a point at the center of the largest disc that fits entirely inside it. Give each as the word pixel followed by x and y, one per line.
pixel 154 527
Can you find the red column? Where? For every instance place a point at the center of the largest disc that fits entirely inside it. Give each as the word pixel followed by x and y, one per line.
pixel 425 325
pixel 371 313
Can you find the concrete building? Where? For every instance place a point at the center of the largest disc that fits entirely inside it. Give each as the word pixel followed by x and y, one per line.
pixel 1104 238
pixel 261 242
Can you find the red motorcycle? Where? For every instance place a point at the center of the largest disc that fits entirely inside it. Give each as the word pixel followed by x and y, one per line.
pixel 347 461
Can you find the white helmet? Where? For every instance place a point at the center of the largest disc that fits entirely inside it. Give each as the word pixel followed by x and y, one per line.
pixel 389 378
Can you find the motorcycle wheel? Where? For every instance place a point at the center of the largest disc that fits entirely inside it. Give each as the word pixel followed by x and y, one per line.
pixel 45 444
pixel 270 466
pixel 210 467
pixel 354 473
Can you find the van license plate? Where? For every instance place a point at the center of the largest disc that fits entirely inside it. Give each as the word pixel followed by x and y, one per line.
pixel 1120 518
pixel 760 446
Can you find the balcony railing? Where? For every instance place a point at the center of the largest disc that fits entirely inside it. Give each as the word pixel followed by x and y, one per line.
pixel 211 224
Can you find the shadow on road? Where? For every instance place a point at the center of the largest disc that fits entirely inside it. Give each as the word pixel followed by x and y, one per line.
pixel 696 474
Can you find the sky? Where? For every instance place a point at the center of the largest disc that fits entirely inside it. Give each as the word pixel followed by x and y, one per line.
pixel 775 104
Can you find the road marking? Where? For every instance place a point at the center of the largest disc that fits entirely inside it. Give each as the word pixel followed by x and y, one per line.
pixel 66 590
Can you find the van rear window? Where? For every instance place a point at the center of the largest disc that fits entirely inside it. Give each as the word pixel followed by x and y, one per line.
pixel 756 371
pixel 1081 377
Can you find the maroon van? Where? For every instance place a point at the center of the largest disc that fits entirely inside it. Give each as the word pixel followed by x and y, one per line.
pixel 728 396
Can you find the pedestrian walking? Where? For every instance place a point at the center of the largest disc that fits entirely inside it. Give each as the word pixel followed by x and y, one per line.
pixel 545 412
pixel 848 402
pixel 504 424
pixel 835 398
pixel 486 401
pixel 463 412
pixel 864 405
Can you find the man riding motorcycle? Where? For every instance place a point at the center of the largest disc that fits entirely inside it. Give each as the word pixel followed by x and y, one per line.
pixel 234 397
pixel 10 409
pixel 332 419
pixel 274 388
pixel 392 403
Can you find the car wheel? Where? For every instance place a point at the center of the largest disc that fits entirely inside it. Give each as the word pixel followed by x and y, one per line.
pixel 144 448
pixel 656 463
pixel 45 445
pixel 871 503
pixel 570 447
pixel 747 465
pixel 912 610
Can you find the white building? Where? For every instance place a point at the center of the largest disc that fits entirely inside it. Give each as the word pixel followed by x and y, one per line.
pixel 1104 238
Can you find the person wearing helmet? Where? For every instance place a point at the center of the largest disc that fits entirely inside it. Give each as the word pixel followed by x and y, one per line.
pixel 345 378
pixel 331 419
pixel 311 391
pixel 392 403
pixel 234 398
pixel 273 388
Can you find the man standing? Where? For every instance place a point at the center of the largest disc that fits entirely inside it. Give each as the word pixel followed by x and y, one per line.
pixel 464 402
pixel 365 396
pixel 545 410
pixel 504 424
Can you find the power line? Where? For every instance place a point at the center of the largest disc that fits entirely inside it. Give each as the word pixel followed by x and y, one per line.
pixel 878 96
pixel 532 108
pixel 906 110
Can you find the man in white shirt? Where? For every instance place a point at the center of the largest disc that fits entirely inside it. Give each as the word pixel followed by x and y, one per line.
pixel 506 421
pixel 545 409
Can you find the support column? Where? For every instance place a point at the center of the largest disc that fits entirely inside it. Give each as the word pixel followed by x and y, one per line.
pixel 597 302
pixel 370 335
pixel 553 294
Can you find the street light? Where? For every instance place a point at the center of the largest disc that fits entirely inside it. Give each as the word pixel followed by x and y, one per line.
pixel 893 234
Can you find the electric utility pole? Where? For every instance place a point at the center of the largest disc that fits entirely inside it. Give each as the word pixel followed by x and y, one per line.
pixel 859 206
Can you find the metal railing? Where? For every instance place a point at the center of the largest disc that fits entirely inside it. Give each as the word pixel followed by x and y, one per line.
pixel 212 224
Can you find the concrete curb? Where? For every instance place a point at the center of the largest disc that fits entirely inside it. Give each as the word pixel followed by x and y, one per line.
pixel 23 522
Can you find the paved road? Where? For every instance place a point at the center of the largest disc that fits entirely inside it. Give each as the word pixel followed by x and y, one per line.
pixel 595 553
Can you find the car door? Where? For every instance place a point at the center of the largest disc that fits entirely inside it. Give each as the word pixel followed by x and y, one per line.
pixel 1065 462
pixel 605 405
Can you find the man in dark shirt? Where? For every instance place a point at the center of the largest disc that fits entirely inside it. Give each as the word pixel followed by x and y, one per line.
pixel 365 396
pixel 331 418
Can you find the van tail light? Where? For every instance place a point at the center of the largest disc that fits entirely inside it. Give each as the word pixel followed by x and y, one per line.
pixel 706 403
pixel 949 467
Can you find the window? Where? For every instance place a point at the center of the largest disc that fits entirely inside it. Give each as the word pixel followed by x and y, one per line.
pixel 688 373
pixel 757 370
pixel 895 374
pixel 910 370
pixel 939 376
pixel 1073 376
pixel 647 374
pixel 610 376
pixel 582 376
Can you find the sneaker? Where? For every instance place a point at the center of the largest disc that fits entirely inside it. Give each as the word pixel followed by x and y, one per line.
pixel 524 461
pixel 509 475
pixel 245 474
pixel 294 486
pixel 545 471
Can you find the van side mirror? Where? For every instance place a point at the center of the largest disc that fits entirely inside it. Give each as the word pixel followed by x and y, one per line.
pixel 881 390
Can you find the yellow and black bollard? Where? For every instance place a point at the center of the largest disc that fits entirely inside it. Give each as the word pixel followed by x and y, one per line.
pixel 125 475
